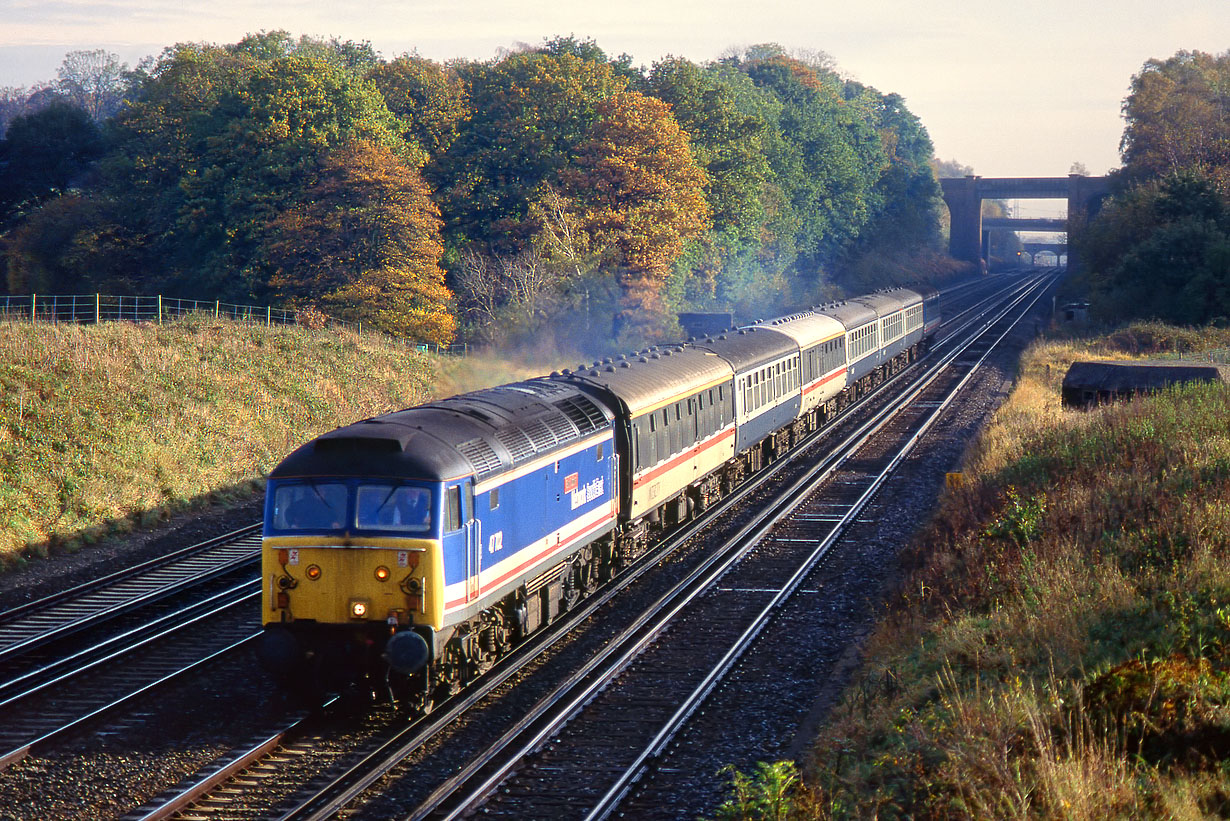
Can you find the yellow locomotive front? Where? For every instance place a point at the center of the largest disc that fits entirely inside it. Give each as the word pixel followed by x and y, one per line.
pixel 347 564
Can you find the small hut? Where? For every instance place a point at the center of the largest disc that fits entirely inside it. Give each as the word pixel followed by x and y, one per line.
pixel 1091 383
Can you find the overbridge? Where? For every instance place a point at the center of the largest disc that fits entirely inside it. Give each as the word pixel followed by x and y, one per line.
pixel 969 232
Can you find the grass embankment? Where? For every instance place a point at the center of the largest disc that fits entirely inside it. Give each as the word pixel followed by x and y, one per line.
pixel 1061 648
pixel 104 427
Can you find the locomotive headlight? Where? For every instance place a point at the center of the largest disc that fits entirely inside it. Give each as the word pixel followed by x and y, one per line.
pixel 358 609
pixel 382 573
pixel 313 572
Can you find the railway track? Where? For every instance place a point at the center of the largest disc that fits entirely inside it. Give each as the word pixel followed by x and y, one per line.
pixel 584 749
pixel 374 760
pixel 74 657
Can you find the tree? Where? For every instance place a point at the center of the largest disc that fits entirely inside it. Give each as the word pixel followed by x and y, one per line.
pixel 428 98
pixel 43 154
pixel 1161 250
pixel 531 111
pixel 363 243
pixel 1178 118
pixel 93 81
pixel 218 140
pixel 724 141
pixel 640 196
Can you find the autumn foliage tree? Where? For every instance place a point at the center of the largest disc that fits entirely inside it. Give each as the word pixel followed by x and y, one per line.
pixel 640 196
pixel 429 99
pixel 1160 247
pixel 363 244
pixel 1178 118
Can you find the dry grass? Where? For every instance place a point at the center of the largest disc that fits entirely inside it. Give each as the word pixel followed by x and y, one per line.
pixel 110 426
pixel 1062 646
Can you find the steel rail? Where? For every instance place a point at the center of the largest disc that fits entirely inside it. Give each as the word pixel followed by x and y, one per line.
pixel 140 637
pixel 20 752
pixel 92 604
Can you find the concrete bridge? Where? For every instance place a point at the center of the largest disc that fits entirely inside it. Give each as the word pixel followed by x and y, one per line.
pixel 968 237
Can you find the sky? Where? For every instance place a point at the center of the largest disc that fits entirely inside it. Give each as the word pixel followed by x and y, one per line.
pixel 1009 87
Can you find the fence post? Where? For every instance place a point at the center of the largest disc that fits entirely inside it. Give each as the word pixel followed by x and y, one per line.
pixel 268 315
pixel 160 309
pixel 97 309
pixel 360 328
pixel 217 303
pixel 33 306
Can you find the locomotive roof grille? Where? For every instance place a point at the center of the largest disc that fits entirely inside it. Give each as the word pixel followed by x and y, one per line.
pixel 583 413
pixel 542 437
pixel 481 456
pixel 518 444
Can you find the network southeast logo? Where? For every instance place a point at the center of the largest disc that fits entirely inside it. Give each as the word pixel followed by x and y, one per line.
pixel 588 492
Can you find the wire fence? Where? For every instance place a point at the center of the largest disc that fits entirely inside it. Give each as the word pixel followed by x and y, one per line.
pixel 1215 356
pixel 95 308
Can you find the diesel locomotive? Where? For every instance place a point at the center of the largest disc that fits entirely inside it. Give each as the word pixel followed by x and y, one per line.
pixel 419 547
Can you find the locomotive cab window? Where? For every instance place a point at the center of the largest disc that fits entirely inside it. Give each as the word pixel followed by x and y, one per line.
pixel 390 507
pixel 310 506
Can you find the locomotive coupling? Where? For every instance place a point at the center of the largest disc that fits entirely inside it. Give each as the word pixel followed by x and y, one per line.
pixel 406 652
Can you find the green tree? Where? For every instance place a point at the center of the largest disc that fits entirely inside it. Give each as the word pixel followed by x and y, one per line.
pixel 531 112
pixel 827 162
pixel 218 140
pixel 1161 250
pixel 429 99
pixel 43 154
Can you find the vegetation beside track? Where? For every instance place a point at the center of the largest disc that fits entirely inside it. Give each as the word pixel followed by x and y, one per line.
pixel 1061 647
pixel 107 427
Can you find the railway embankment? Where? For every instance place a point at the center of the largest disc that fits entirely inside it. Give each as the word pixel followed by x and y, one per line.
pixel 1061 644
pixel 117 426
